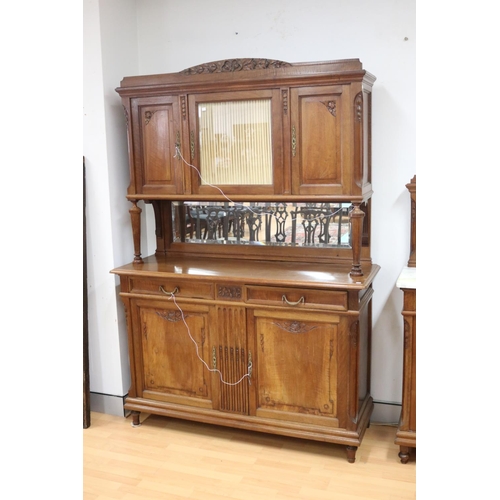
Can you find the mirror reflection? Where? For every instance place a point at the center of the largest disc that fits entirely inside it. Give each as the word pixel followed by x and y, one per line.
pixel 285 224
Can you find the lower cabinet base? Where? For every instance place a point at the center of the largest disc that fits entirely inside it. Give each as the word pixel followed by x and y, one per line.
pixel 407 442
pixel 350 439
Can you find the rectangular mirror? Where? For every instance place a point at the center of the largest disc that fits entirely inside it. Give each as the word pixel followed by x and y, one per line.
pixel 235 142
pixel 322 225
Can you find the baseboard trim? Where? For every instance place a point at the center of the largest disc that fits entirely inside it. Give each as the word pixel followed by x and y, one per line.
pixel 385 412
pixel 105 403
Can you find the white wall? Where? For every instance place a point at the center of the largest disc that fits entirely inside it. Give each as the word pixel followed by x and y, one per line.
pixel 110 51
pixel 159 36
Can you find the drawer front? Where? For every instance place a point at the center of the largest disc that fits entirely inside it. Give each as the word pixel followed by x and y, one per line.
pixel 297 297
pixel 164 288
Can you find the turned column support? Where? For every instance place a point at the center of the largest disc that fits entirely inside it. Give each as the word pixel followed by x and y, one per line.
pixel 135 217
pixel 412 188
pixel 357 216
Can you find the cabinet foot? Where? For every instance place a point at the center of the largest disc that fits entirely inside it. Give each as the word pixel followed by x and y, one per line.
pixel 351 453
pixel 136 419
pixel 404 454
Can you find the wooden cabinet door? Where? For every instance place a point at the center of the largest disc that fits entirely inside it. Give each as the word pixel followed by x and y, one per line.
pixel 168 365
pixel 236 142
pixel 321 137
pixel 156 131
pixel 295 366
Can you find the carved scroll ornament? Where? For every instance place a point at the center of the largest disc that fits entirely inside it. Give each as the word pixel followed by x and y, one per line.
pixel 232 65
pixel 172 316
pixel 295 327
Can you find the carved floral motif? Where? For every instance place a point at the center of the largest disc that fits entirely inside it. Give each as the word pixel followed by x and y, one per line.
pixel 183 107
pixel 331 106
pixel 148 115
pixel 173 316
pixel 295 327
pixel 284 94
pixel 358 106
pixel 229 292
pixel 232 65
pixel 125 112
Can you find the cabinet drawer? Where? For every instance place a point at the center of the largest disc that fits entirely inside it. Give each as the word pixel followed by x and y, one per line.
pixel 191 289
pixel 297 297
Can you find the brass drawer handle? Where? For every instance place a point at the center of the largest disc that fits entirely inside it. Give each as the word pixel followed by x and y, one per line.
pixel 286 301
pixel 169 293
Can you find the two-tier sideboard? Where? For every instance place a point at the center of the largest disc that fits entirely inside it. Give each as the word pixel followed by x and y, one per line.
pixel 255 310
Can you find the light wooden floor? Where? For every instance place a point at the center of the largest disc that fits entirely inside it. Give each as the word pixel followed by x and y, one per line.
pixel 174 459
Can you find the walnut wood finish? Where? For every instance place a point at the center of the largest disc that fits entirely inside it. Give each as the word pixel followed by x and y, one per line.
pixel 275 339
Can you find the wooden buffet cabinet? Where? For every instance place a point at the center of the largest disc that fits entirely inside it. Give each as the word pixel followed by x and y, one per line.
pixel 255 310
pixel 406 434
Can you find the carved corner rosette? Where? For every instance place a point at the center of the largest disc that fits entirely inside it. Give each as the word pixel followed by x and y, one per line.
pixel 233 65
pixel 147 116
pixel 331 106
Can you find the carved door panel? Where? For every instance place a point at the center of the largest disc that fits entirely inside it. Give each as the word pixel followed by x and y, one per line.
pixel 157 131
pixel 174 348
pixel 321 127
pixel 295 366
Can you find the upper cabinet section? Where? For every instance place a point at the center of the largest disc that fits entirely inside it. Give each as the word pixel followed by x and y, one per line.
pixel 253 129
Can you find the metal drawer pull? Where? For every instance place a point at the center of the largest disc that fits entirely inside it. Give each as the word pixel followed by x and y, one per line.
pixel 169 293
pixel 286 301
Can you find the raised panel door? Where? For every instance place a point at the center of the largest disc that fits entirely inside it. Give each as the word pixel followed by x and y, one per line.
pixel 295 366
pixel 157 134
pixel 171 350
pixel 321 131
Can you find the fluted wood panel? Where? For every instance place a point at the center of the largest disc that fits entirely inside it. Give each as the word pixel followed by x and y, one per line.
pixel 232 359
